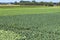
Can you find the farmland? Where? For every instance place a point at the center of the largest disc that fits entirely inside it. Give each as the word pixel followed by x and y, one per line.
pixel 28 10
pixel 30 23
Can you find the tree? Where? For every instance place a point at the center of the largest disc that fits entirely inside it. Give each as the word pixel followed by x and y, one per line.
pixel 50 4
pixel 21 1
pixel 58 4
pixel 16 3
pixel 33 1
pixel 41 3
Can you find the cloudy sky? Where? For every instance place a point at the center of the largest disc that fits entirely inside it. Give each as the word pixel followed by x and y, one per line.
pixel 29 0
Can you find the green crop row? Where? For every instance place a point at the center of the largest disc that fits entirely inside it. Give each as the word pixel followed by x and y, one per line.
pixel 32 26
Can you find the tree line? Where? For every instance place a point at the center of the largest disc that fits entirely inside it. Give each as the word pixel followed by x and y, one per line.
pixel 33 2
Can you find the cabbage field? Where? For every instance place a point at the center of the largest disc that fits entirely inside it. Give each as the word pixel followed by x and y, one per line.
pixel 30 23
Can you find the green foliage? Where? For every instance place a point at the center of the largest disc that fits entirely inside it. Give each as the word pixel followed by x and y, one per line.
pixel 31 26
pixel 9 35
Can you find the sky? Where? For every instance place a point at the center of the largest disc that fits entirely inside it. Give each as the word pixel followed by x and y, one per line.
pixel 30 0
